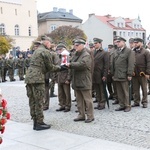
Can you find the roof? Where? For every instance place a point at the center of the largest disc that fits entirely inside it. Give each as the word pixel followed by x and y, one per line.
pixel 58 15
pixel 108 19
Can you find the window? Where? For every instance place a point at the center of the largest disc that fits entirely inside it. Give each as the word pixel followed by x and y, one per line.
pixel 1 10
pixel 29 30
pixel 120 33
pixel 53 27
pixel 128 33
pixel 138 26
pixel 16 29
pixel 136 34
pixel 124 34
pixel 2 29
pixel 131 33
pixel 122 25
pixel 118 24
pixel 15 11
pixel 139 34
pixel 134 25
pixel 29 13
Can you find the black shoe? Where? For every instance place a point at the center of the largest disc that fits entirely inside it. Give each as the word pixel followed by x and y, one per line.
pixel 45 108
pixel 110 97
pixel 76 111
pixel 66 110
pixel 74 100
pixel 41 126
pixel 148 93
pixel 89 120
pixel 60 109
pixel 101 107
pixel 135 105
pixel 127 109
pixel 79 119
pixel 96 107
pixel 144 105
pixel 120 109
pixel 53 95
pixel 115 102
pixel 95 101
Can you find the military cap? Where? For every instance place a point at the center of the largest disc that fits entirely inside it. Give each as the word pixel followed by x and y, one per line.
pixel 131 40
pixel 110 46
pixel 97 40
pixel 80 41
pixel 36 42
pixel 61 45
pixel 43 38
pixel 119 38
pixel 138 40
pixel 91 45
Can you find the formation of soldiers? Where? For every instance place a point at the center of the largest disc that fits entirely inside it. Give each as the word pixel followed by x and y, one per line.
pixel 9 65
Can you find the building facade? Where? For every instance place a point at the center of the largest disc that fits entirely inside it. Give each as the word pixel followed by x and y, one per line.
pixel 18 19
pixel 49 21
pixel 106 27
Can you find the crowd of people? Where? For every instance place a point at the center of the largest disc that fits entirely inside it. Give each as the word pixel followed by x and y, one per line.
pixel 125 70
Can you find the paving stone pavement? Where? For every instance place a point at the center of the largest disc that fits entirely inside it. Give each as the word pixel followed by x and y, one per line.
pixel 132 128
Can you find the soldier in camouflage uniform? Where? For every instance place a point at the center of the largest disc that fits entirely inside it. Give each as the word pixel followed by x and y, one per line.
pixel 11 67
pixel 4 68
pixel 27 61
pixel 20 66
pixel 49 86
pixel 41 63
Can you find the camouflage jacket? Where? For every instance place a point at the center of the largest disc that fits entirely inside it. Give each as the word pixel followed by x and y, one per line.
pixel 41 63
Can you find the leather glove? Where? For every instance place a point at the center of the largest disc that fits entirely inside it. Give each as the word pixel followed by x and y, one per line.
pixel 63 67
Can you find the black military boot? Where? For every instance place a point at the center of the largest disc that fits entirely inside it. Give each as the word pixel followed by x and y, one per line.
pixel 34 124
pixel 41 126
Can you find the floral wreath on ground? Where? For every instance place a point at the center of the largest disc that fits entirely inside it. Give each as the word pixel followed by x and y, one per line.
pixel 4 115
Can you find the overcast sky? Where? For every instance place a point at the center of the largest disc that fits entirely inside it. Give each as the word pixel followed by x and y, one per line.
pixel 81 8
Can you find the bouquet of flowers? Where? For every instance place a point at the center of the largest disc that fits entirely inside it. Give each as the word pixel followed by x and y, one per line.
pixel 4 115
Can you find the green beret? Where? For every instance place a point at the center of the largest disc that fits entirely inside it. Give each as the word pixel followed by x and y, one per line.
pixel 119 38
pixel 97 40
pixel 80 41
pixel 61 45
pixel 131 40
pixel 136 40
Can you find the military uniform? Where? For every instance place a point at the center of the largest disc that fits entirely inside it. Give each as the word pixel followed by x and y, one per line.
pixel 41 63
pixel 4 69
pixel 122 68
pixel 142 68
pixel 11 68
pixel 21 66
pixel 64 92
pixel 49 86
pixel 101 64
pixel 82 82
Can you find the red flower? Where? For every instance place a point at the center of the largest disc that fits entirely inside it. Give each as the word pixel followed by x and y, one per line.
pixel 3 121
pixel 8 115
pixel 2 129
pixel 1 111
pixel 4 103
pixel 1 140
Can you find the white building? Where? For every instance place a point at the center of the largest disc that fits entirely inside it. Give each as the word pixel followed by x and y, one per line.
pixel 106 27
pixel 18 19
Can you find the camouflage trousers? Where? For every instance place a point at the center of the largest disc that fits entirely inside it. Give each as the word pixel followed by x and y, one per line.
pixel 11 74
pixel 35 93
pixel 21 73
